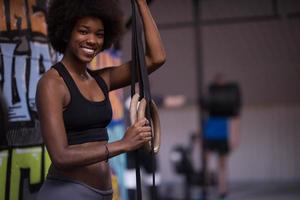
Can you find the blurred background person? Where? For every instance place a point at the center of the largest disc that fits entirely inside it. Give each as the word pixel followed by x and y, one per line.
pixel 221 126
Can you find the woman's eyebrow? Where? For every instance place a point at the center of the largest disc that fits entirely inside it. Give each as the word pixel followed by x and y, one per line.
pixel 88 27
pixel 84 26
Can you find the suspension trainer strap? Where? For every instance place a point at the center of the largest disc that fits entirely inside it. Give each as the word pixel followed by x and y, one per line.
pixel 134 78
pixel 139 73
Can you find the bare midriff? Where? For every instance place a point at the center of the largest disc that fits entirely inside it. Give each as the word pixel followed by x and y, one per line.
pixel 96 175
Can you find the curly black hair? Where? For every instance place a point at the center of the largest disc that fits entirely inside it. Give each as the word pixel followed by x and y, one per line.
pixel 62 16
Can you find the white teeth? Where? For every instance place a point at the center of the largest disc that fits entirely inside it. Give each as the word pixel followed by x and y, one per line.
pixel 89 51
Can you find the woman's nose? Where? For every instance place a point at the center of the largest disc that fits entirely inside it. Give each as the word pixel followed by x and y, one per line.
pixel 92 39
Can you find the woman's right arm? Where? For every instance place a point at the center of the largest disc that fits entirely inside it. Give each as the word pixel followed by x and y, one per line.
pixel 50 100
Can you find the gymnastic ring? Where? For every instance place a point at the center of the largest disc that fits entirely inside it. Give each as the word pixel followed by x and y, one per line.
pixel 156 130
pixel 137 111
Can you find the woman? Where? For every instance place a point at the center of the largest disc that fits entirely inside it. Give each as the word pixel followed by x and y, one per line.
pixel 73 102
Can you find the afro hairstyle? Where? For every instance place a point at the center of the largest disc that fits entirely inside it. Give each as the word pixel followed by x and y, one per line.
pixel 62 16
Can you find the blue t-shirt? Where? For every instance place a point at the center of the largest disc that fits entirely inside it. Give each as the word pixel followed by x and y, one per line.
pixel 216 128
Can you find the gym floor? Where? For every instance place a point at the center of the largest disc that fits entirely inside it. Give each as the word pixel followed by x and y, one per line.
pixel 265 191
pixel 244 191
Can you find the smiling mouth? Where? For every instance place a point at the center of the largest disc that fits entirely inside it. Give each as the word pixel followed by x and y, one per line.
pixel 89 50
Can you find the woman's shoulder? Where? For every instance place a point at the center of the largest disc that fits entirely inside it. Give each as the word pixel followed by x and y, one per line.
pixel 51 81
pixel 51 78
pixel 50 91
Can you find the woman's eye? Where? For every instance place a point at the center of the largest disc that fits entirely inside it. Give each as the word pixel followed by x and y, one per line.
pixel 100 35
pixel 83 32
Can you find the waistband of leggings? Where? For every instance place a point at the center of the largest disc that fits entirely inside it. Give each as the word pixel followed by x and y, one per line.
pixel 65 179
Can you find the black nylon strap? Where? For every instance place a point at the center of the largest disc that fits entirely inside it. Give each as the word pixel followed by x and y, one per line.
pixel 133 53
pixel 134 78
pixel 139 73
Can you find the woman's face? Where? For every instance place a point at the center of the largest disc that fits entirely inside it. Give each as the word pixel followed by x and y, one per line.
pixel 86 39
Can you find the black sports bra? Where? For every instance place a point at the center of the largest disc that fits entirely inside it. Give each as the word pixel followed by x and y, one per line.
pixel 85 120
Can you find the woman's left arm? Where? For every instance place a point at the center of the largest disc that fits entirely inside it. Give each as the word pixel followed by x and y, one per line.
pixel 155 55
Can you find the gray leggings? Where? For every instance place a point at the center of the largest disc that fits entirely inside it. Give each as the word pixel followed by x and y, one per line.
pixel 60 189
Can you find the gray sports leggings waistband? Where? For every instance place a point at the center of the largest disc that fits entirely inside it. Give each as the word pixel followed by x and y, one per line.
pixel 62 189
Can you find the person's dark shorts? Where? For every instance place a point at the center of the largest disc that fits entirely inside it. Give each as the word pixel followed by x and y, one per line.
pixel 219 146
